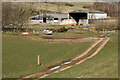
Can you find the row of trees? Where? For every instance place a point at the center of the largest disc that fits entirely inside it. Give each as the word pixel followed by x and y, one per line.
pixel 15 14
pixel 111 8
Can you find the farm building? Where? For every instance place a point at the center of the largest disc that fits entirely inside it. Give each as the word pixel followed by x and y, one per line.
pixel 80 17
pixel 87 16
pixel 50 18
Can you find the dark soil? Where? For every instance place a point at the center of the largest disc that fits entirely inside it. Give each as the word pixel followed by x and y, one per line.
pixel 61 37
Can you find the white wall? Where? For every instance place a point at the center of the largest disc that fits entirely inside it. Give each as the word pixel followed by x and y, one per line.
pixel 83 21
pixel 96 15
pixel 41 21
pixel 68 22
pixel 37 21
pixel 56 21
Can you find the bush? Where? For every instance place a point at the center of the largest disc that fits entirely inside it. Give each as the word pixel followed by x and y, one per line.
pixel 68 4
pixel 72 27
pixel 62 29
pixel 86 6
pixel 106 25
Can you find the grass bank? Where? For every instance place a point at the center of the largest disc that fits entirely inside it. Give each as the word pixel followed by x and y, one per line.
pixel 19 56
pixel 103 65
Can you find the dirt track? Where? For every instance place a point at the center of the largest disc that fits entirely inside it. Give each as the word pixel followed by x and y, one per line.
pixel 62 39
pixel 100 47
pixel 79 62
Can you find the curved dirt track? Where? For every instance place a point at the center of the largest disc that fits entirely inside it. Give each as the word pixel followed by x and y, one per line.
pixel 90 48
pixel 95 53
pixel 79 56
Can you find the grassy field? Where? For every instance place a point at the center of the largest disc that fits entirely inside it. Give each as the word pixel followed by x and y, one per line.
pixel 57 7
pixel 103 65
pixel 53 7
pixel 19 56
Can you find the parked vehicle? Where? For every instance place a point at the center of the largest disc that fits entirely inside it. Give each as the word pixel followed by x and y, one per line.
pixel 48 32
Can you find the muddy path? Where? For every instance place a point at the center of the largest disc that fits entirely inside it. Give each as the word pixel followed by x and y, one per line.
pixel 79 62
pixel 75 58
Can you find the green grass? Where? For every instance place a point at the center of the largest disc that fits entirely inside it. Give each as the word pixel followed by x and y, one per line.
pixel 103 65
pixel 19 56
pixel 88 54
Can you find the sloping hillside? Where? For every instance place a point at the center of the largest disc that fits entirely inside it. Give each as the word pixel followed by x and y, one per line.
pixel 63 7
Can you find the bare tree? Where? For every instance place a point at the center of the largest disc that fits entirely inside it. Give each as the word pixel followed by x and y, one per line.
pixel 109 7
pixel 15 14
pixel 60 7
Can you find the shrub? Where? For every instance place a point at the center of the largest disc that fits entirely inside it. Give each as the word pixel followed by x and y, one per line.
pixel 68 4
pixel 62 29
pixel 72 27
pixel 86 6
pixel 68 27
pixel 106 25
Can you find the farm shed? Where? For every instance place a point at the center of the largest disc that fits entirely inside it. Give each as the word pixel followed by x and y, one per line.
pixel 50 18
pixel 79 17
pixel 87 16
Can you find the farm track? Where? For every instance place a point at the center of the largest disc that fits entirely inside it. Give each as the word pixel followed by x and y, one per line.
pixel 62 39
pixel 79 56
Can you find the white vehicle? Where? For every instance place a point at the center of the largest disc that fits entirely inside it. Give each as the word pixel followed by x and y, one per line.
pixel 47 32
pixel 25 33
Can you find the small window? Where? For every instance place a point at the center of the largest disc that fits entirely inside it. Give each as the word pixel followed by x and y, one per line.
pixel 55 18
pixel 33 18
pixel 64 18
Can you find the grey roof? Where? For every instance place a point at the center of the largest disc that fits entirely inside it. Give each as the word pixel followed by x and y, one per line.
pixel 53 15
pixel 87 11
pixel 58 15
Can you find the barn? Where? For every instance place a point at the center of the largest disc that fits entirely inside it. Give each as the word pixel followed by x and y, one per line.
pixel 78 17
pixel 50 18
pixel 87 16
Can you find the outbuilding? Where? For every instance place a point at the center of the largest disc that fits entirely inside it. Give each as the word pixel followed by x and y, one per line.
pixel 50 18
pixel 79 17
pixel 87 16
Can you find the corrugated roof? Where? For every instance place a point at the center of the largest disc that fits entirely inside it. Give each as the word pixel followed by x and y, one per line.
pixel 87 11
pixel 53 15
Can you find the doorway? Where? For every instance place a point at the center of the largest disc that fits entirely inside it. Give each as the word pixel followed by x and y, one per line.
pixel 77 16
pixel 44 19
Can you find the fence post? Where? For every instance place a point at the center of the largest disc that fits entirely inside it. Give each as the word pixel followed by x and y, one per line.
pixel 38 60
